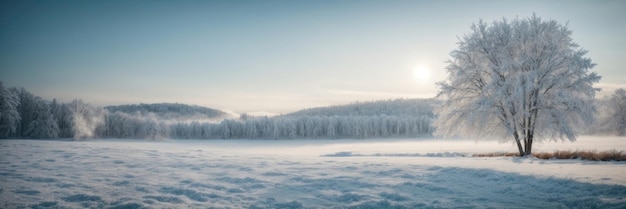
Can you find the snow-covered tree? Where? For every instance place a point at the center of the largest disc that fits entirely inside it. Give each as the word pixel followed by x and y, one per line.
pixel 85 119
pixel 43 125
pixel 524 80
pixel 9 114
pixel 618 103
pixel 63 117
pixel 614 121
pixel 151 128
pixel 27 109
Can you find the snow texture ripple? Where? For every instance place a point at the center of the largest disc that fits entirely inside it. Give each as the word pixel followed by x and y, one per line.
pixel 279 174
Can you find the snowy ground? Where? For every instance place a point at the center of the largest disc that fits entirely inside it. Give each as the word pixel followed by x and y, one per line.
pixel 394 173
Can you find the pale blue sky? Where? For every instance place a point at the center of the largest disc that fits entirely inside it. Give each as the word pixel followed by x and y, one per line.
pixel 274 56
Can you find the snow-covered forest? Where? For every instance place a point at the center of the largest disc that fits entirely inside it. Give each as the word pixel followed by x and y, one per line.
pixel 28 116
pixel 25 115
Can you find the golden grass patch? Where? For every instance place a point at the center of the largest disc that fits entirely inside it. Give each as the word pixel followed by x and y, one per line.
pixel 593 155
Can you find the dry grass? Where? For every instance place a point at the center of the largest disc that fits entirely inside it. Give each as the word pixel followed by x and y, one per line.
pixel 497 154
pixel 593 155
pixel 610 155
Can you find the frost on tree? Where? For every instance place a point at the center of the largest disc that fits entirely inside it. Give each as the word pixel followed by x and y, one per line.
pixel 524 80
pixel 9 114
pixel 613 115
pixel 618 110
pixel 85 119
pixel 43 125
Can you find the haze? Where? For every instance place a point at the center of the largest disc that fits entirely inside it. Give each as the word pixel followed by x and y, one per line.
pixel 266 56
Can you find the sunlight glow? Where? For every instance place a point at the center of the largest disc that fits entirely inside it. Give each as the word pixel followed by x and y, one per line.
pixel 421 74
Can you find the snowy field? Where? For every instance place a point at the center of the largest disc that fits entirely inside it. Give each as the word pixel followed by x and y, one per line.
pixel 417 173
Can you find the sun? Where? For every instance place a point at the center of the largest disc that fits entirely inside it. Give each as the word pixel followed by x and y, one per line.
pixel 421 74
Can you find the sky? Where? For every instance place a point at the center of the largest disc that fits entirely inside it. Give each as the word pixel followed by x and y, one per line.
pixel 267 56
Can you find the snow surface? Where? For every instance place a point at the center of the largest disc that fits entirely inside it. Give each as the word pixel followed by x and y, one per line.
pixel 383 173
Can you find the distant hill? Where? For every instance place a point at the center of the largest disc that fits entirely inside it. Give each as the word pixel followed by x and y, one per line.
pixel 377 119
pixel 173 112
pixel 395 107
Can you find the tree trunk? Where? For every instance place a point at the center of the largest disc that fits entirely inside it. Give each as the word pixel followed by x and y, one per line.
pixel 530 144
pixel 519 145
pixel 525 148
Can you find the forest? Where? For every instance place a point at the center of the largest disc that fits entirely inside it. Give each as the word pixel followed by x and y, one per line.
pixel 24 115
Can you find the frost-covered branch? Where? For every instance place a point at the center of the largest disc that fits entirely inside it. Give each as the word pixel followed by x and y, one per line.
pixel 528 74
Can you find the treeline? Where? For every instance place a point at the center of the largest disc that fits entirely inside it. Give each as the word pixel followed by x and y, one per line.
pixel 24 115
pixel 290 126
pixel 312 127
pixel 27 116
pixel 396 107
